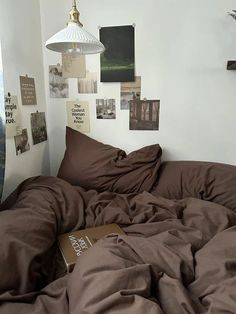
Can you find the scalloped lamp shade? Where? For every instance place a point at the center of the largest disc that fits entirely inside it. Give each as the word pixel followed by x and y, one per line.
pixel 74 38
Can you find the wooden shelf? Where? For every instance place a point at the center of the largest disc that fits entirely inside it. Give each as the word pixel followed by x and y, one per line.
pixel 231 65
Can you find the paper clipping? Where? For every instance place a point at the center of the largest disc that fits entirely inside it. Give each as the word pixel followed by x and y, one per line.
pixel 38 127
pixel 78 115
pixel 106 108
pixel 144 114
pixel 28 93
pixel 129 91
pixel 22 142
pixel 12 115
pixel 88 85
pixel 73 65
pixel 58 85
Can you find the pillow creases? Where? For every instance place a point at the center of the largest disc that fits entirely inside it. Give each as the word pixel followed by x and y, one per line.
pixel 210 181
pixel 94 165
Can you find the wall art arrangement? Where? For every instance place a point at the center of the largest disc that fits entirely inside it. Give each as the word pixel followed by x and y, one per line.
pixel 2 128
pixel 88 85
pixel 13 119
pixel 117 64
pixel 117 61
pixel 130 91
pixel 73 65
pixel 78 115
pixel 106 108
pixel 28 93
pixel 144 114
pixel 58 85
pixel 38 127
pixel 22 142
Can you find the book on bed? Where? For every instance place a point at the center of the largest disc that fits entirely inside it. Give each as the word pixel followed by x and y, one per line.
pixel 74 243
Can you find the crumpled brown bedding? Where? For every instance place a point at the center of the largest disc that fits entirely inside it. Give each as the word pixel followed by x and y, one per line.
pixel 178 256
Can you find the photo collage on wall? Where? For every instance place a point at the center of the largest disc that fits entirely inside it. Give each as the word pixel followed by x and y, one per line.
pixel 117 65
pixel 14 127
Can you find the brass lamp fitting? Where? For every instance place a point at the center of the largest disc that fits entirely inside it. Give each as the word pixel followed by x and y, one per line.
pixel 74 14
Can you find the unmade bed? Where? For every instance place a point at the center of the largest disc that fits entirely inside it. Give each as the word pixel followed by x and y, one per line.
pixel 178 254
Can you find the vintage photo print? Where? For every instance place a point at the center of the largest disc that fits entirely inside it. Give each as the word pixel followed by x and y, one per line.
pixel 22 142
pixel 144 114
pixel 73 65
pixel 88 85
pixel 130 91
pixel 117 61
pixel 38 127
pixel 106 108
pixel 58 85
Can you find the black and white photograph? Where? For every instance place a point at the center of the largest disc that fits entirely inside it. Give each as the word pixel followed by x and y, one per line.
pixel 58 85
pixel 117 61
pixel 144 114
pixel 129 91
pixel 106 108
pixel 88 85
pixel 38 127
pixel 22 142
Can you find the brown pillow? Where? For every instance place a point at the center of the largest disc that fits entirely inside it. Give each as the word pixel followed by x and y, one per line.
pixel 94 165
pixel 209 181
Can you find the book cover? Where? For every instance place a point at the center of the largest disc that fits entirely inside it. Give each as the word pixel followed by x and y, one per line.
pixel 74 243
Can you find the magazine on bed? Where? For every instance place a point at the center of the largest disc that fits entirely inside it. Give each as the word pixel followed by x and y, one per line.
pixel 74 243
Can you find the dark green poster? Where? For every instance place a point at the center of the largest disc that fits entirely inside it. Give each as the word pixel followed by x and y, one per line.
pixel 2 128
pixel 117 61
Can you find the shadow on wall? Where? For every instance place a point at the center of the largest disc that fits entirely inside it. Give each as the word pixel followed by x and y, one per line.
pixel 57 148
pixel 46 169
pixel 10 182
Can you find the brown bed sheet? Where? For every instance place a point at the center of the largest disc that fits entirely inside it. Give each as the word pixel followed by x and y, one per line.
pixel 178 256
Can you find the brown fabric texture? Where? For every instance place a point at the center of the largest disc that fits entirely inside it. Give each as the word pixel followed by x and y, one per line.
pixel 209 181
pixel 94 165
pixel 178 256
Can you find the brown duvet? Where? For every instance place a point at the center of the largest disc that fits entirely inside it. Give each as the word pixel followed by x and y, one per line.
pixel 177 257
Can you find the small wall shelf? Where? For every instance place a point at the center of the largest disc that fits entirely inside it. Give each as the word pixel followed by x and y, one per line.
pixel 231 65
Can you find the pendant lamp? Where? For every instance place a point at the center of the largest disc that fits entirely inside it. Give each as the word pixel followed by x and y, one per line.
pixel 74 38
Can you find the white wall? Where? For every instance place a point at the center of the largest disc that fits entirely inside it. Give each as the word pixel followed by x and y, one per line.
pixel 182 48
pixel 20 34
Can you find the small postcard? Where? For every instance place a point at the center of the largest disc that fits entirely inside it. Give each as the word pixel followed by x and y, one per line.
pixel 78 115
pixel 106 108
pixel 58 85
pixel 144 114
pixel 28 93
pixel 73 65
pixel 22 142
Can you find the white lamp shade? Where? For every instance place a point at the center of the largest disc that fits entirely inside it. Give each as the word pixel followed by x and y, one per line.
pixel 74 38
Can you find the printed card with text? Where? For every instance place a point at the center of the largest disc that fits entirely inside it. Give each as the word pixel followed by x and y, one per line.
pixel 13 119
pixel 78 115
